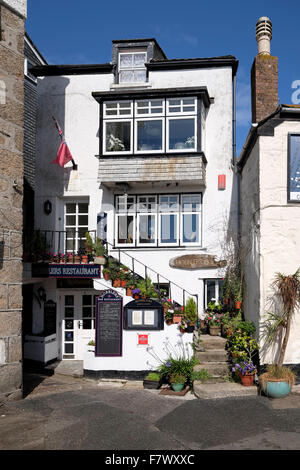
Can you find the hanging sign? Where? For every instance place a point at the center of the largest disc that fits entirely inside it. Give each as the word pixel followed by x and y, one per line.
pixel 109 324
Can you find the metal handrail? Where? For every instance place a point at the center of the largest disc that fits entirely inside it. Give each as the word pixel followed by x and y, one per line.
pixel 56 235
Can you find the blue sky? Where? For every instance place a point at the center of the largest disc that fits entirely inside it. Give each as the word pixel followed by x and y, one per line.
pixel 73 32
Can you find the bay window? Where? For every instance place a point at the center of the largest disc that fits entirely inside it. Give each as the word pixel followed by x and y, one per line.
pixel 158 220
pixel 150 126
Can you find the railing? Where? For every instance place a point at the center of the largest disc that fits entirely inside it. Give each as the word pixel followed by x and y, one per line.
pixel 46 245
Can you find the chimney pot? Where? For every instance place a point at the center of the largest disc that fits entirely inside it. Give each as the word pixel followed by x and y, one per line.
pixel 264 35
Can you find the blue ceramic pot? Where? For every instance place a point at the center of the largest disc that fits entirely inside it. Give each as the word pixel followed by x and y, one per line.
pixel 177 387
pixel 277 389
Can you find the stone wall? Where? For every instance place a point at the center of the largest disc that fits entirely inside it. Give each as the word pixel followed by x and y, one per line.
pixel 264 86
pixel 11 200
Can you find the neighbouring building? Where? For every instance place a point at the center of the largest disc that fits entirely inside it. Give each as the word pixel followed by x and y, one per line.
pixel 12 17
pixel 153 146
pixel 269 168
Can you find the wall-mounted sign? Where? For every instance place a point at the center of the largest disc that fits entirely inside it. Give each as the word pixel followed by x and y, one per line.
pixel 294 168
pixel 143 339
pixel 109 324
pixel 196 261
pixel 143 315
pixel 75 270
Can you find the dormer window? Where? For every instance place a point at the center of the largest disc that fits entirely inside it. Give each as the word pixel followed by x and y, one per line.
pixel 132 67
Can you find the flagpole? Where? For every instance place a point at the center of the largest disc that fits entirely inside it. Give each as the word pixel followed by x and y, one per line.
pixel 75 167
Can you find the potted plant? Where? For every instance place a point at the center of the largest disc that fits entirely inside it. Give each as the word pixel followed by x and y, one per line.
pixel 182 326
pixel 169 317
pixel 106 274
pixel 147 289
pixel 278 380
pixel 136 293
pixel 214 320
pixel 152 381
pixel 246 371
pixel 177 382
pixel 99 252
pixel 190 314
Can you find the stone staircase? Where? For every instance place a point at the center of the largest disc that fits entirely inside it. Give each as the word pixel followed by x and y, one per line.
pixel 212 356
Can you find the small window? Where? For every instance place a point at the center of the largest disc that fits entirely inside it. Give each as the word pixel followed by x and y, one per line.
pixel 212 291
pixel 27 66
pixel 294 168
pixel 132 67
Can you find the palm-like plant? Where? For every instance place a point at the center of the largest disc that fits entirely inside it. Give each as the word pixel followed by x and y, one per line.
pixel 288 290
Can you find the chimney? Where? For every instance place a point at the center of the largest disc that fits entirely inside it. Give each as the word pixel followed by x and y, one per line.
pixel 264 73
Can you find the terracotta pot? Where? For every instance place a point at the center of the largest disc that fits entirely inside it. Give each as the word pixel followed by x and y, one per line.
pixel 247 380
pixel 136 296
pixel 226 301
pixel 238 304
pixel 177 318
pixel 84 259
pixel 76 259
pixel 106 276
pixel 122 283
pixel 169 322
pixel 117 283
pixel 129 292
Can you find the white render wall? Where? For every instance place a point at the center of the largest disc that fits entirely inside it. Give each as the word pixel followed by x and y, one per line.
pixel 69 99
pixel 270 233
pixel 280 225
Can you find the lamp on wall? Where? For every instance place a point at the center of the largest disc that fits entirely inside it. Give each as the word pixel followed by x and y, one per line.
pixel 41 294
pixel 47 207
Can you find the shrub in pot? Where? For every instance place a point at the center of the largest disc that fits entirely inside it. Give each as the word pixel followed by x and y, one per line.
pixel 177 382
pixel 278 380
pixel 152 381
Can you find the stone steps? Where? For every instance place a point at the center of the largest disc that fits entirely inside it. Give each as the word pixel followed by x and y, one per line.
pixel 212 355
pixel 216 369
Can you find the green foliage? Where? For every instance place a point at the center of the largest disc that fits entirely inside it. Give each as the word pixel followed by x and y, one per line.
pixel 177 378
pixel 153 376
pixel 180 366
pixel 242 346
pixel 97 248
pixel 190 311
pixel 147 288
pixel 213 307
pixel 200 375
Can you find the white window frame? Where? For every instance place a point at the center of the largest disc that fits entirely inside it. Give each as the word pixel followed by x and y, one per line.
pixel 190 212
pixel 180 117
pixel 182 112
pixel 132 68
pixel 27 65
pixel 217 290
pixel 118 108
pixel 76 227
pixel 150 108
pixel 146 212
pixel 118 152
pixel 136 151
pixel 169 212
pixel 127 213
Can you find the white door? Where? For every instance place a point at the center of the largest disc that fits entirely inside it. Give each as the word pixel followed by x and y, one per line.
pixel 78 312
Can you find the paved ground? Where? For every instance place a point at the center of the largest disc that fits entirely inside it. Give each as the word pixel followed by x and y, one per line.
pixel 66 413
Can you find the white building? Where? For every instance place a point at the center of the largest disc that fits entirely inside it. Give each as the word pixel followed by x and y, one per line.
pixel 269 165
pixel 154 141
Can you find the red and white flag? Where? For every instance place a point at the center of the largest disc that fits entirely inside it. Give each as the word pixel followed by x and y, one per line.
pixel 63 155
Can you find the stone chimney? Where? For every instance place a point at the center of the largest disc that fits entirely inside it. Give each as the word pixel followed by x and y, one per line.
pixel 264 73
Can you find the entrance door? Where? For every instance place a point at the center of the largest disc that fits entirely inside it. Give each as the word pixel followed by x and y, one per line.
pixel 78 312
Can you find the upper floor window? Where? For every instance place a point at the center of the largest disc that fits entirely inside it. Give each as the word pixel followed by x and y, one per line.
pixel 27 73
pixel 294 168
pixel 132 67
pixel 150 126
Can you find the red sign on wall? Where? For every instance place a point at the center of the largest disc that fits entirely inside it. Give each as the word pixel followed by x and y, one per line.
pixel 143 339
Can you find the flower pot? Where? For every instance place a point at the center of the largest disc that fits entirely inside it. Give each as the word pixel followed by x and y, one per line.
pixel 129 292
pixel 122 283
pixel 100 260
pixel 106 276
pixel 177 318
pixel 238 304
pixel 278 389
pixel 182 330
pixel 76 259
pixel 214 330
pixel 151 384
pixel 247 380
pixel 190 329
pixel 84 259
pixel 177 387
pixel 117 283
pixel 136 296
pixel 226 301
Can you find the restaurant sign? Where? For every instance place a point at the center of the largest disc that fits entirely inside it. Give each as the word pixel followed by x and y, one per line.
pixel 75 270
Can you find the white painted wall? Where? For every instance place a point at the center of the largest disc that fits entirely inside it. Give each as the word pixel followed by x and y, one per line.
pixel 278 247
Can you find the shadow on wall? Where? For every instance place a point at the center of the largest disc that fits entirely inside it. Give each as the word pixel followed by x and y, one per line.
pixel 52 103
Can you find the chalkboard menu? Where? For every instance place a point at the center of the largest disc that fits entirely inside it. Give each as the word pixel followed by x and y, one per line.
pixel 109 324
pixel 49 318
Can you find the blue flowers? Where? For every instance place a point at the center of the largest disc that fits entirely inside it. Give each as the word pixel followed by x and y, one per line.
pixel 245 368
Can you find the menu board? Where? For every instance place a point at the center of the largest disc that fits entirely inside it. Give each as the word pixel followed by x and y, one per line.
pixel 109 324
